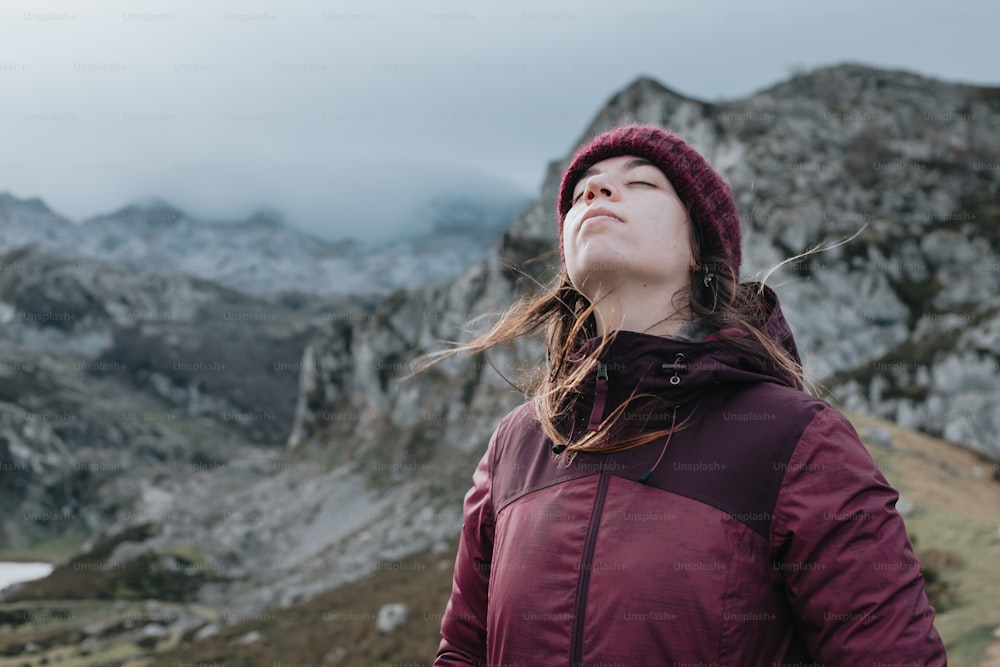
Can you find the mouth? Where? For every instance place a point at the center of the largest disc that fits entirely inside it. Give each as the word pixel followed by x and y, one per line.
pixel 598 213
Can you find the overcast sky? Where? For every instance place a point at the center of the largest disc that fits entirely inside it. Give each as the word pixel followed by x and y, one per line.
pixel 347 115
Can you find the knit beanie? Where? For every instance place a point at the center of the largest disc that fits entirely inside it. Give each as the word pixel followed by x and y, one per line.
pixel 702 190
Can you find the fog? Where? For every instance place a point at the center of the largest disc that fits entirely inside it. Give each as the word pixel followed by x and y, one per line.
pixel 347 116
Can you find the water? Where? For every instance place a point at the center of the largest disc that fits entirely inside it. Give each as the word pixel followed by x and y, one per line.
pixel 14 573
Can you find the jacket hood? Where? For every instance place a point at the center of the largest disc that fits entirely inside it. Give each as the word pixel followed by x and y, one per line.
pixel 673 372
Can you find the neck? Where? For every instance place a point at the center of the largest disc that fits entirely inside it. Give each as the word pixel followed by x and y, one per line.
pixel 640 308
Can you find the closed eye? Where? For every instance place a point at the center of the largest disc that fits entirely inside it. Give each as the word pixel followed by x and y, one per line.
pixel 641 183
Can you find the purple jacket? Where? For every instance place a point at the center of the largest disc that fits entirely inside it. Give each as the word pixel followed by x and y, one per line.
pixel 765 535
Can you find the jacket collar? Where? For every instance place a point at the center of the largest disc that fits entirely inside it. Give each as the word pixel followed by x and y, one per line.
pixel 675 371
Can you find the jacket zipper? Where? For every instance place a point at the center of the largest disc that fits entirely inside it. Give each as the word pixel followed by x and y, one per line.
pixel 600 396
pixel 586 564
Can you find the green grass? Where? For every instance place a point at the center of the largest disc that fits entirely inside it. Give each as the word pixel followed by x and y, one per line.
pixel 953 513
pixel 53 551
pixel 968 648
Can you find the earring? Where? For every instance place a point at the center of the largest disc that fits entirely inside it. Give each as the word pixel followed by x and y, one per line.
pixel 708 277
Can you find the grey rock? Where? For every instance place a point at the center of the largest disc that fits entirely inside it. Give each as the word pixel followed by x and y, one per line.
pixel 335 656
pixel 904 506
pixel 151 634
pixel 878 436
pixel 251 637
pixel 391 616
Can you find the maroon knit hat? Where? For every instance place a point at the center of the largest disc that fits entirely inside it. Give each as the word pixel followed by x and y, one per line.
pixel 699 186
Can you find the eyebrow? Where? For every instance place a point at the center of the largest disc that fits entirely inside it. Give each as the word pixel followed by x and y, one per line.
pixel 631 164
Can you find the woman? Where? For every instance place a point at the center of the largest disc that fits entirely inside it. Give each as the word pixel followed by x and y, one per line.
pixel 671 495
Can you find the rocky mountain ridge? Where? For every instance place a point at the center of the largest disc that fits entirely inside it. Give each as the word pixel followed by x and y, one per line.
pixel 112 381
pixel 262 255
pixel 902 321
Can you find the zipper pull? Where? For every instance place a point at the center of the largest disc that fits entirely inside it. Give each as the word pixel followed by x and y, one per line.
pixel 676 367
pixel 600 396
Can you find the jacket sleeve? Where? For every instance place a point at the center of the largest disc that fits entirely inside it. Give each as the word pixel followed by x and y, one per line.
pixel 851 578
pixel 463 627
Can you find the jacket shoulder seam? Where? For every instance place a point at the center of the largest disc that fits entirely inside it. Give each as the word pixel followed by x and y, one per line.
pixel 503 427
pixel 797 452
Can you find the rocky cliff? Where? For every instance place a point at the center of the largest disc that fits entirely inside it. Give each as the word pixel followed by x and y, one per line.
pixel 901 322
pixel 114 384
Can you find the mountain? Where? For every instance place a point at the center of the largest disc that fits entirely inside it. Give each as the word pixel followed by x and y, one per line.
pixel 262 255
pixel 111 381
pixel 900 322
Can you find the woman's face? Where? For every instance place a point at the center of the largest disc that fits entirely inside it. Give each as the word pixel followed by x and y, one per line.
pixel 627 226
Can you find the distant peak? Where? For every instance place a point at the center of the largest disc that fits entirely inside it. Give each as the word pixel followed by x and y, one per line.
pixel 153 204
pixel 644 100
pixel 847 75
pixel 266 217
pixel 645 84
pixel 857 69
pixel 32 203
pixel 151 211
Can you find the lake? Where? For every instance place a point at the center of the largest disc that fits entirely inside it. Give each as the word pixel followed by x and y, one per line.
pixel 13 573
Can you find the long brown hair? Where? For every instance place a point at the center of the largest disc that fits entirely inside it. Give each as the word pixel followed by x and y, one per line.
pixel 568 318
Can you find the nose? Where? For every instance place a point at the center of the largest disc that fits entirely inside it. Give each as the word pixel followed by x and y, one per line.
pixel 600 185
